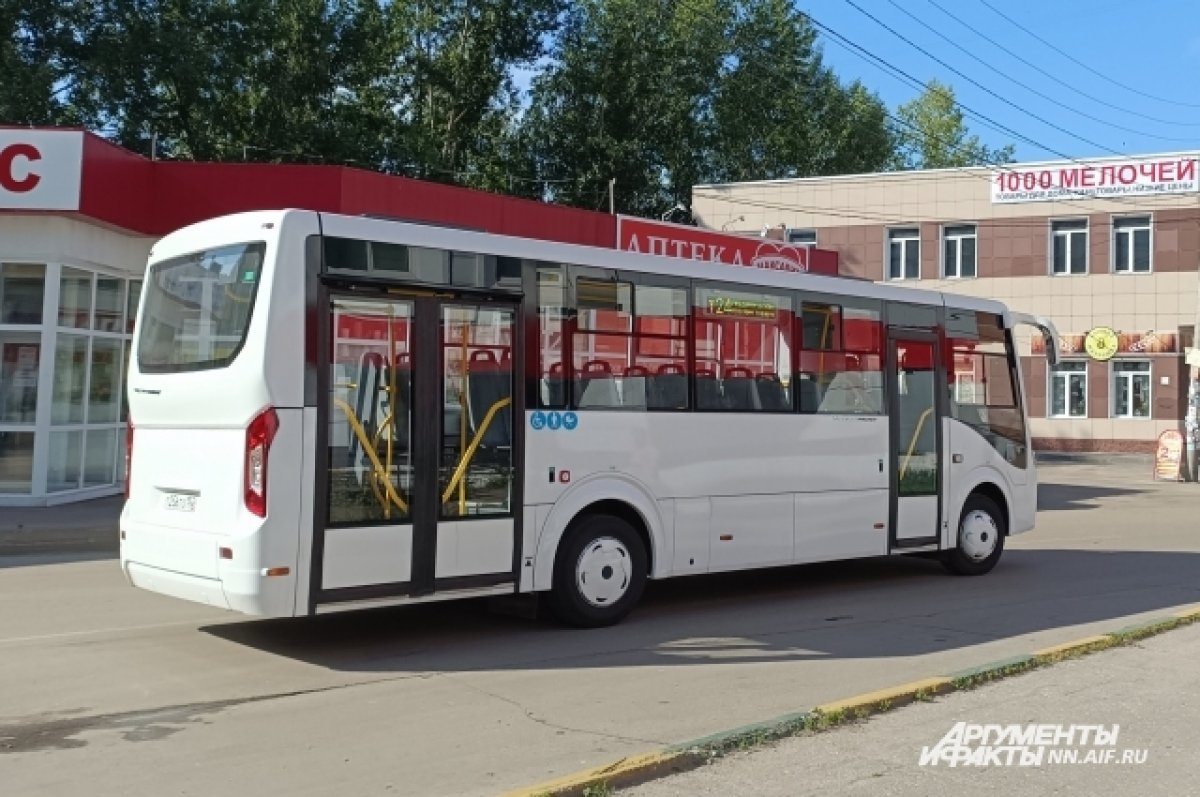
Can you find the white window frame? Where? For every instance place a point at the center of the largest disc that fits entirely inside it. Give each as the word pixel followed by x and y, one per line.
pixel 806 232
pixel 1149 227
pixel 1117 377
pixel 1053 374
pixel 958 238
pixel 1067 234
pixel 893 239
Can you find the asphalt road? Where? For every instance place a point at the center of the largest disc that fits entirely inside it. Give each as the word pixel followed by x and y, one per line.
pixel 113 691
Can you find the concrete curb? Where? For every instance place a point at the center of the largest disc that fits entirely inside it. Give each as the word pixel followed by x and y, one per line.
pixel 655 764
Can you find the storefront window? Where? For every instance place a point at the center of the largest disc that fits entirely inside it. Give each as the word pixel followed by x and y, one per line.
pixel 108 305
pixel 21 288
pixel 124 389
pixel 75 298
pixel 131 305
pixel 82 424
pixel 70 372
pixel 104 386
pixel 100 458
pixel 16 463
pixel 1068 390
pixel 62 472
pixel 19 358
pixel 1131 389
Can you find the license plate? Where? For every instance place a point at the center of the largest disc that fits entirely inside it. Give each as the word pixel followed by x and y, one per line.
pixel 180 502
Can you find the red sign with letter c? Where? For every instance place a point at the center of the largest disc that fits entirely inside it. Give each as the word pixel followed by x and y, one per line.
pixel 8 160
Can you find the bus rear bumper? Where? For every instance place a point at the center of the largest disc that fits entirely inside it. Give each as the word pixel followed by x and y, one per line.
pixel 188 565
pixel 176 585
pixel 239 591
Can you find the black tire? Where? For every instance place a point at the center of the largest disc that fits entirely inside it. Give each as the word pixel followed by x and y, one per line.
pixel 617 572
pixel 966 558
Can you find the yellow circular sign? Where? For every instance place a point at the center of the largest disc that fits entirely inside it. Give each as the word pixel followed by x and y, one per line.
pixel 1101 343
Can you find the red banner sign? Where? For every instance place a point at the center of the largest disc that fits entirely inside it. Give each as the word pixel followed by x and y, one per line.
pixel 693 243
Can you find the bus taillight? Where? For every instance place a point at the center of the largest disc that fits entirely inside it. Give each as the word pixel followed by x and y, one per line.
pixel 128 453
pixel 259 435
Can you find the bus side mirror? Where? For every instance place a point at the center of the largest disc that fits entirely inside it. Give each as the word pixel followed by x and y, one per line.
pixel 1048 332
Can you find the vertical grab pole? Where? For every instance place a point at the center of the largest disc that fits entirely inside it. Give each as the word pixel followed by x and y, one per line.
pixel 463 392
pixel 390 420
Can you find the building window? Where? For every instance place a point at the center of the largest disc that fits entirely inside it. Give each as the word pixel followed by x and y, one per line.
pixel 1069 243
pixel 904 253
pixel 1068 390
pixel 804 237
pixel 1131 245
pixel 1131 389
pixel 21 289
pixel 958 251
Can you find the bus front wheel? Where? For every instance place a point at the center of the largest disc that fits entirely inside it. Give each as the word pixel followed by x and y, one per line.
pixel 599 572
pixel 980 541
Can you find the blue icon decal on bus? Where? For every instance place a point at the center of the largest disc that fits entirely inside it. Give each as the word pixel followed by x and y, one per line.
pixel 569 421
pixel 538 420
pixel 554 420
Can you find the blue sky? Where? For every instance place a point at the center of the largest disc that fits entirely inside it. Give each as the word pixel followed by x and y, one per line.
pixel 1152 46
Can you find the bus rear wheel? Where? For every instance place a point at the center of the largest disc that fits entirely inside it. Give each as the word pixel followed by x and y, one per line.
pixel 599 572
pixel 980 542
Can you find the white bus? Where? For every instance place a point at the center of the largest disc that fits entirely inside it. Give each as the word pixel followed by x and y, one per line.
pixel 329 412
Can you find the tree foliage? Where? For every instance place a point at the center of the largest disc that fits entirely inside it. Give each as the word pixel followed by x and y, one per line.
pixel 39 49
pixel 656 95
pixel 626 98
pixel 932 134
pixel 780 112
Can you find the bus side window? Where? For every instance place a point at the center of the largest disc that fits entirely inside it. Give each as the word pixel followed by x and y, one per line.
pixel 552 314
pixel 983 388
pixel 743 349
pixel 841 358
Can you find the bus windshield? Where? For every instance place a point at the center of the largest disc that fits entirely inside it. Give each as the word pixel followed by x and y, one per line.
pixel 197 308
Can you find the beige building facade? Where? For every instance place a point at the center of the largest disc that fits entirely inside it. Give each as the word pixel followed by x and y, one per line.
pixel 1106 248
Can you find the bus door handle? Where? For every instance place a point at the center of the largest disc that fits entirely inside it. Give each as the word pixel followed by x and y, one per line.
pixel 957 459
pixel 881 466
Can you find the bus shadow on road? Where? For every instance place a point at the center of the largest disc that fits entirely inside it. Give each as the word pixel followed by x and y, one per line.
pixel 1056 497
pixel 872 609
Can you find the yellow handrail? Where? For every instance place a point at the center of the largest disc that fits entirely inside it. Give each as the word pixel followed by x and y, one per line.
pixel 464 389
pixel 913 443
pixel 391 397
pixel 376 477
pixel 461 468
pixel 380 472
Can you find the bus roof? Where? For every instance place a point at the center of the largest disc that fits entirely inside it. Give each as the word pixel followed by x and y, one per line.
pixel 444 237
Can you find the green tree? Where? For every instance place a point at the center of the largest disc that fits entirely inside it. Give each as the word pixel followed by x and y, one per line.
pixel 932 134
pixel 664 95
pixel 782 113
pixel 228 79
pixel 628 97
pixel 450 83
pixel 39 50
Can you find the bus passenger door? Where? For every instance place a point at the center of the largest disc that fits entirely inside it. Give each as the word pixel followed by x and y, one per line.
pixel 419 492
pixel 916 438
pixel 470 537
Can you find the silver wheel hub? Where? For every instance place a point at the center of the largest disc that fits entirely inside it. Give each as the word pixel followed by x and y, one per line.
pixel 604 571
pixel 978 536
